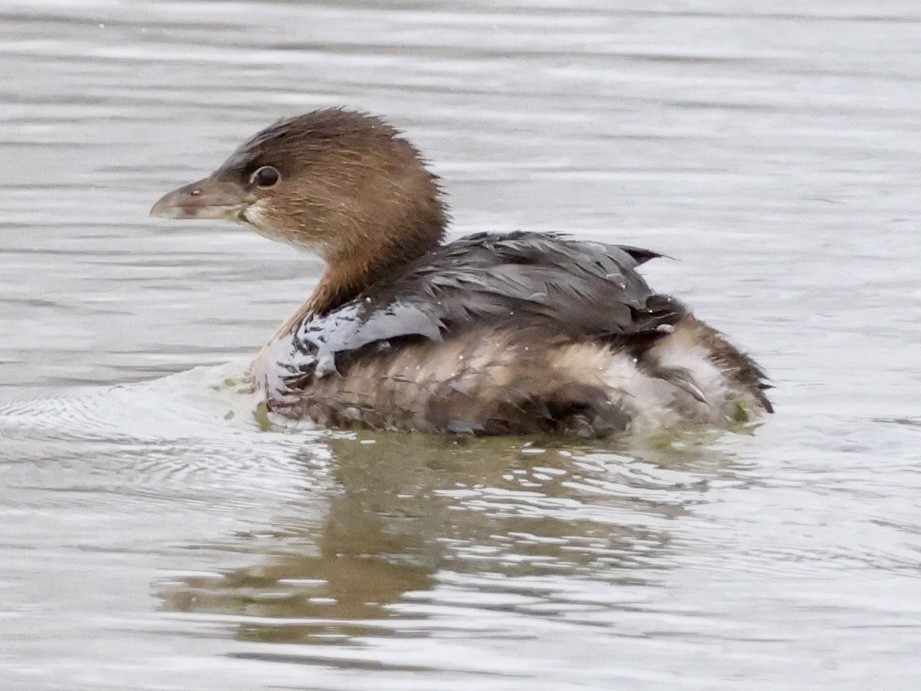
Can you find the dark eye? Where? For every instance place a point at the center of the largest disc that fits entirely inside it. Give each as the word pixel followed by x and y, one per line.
pixel 266 176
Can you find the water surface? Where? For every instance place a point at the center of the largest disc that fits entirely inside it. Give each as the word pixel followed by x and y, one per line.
pixel 154 537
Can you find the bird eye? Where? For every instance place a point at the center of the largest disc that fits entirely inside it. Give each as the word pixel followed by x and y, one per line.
pixel 266 176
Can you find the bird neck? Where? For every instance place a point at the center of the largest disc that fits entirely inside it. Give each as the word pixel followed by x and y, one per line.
pixel 361 264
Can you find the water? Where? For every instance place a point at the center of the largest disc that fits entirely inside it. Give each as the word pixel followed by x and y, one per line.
pixel 153 537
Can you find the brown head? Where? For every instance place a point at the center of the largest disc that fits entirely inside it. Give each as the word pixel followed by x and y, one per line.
pixel 342 184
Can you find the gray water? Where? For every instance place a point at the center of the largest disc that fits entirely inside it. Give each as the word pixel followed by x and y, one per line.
pixel 154 537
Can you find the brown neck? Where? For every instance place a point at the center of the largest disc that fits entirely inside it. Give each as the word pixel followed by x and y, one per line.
pixel 356 268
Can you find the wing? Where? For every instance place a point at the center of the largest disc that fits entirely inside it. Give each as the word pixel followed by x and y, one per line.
pixel 575 289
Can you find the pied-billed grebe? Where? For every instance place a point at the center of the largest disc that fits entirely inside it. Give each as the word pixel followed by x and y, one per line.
pixel 490 334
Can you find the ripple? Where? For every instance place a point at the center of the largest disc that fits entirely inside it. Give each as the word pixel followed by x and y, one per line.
pixel 153 536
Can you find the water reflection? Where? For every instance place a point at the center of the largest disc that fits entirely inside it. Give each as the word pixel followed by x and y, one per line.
pixel 409 509
pixel 775 153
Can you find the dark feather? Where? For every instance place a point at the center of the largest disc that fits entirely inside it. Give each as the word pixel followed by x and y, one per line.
pixel 574 289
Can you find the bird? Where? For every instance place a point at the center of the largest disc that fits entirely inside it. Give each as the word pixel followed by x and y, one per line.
pixel 515 333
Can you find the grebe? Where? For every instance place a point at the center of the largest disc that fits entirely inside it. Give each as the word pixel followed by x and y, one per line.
pixel 515 333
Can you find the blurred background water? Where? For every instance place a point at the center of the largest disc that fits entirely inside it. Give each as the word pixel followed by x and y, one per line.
pixel 154 537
